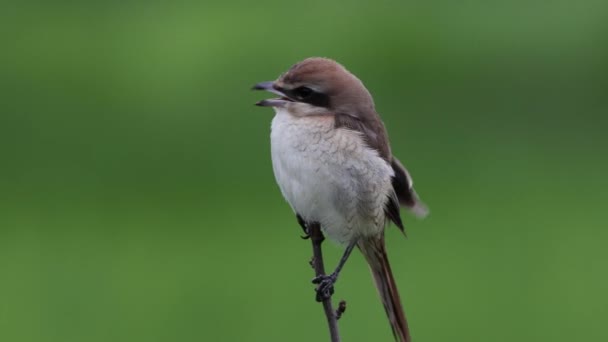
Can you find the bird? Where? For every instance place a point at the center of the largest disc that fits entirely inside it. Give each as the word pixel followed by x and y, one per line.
pixel 333 163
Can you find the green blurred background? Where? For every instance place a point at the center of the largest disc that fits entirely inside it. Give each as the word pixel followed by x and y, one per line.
pixel 137 201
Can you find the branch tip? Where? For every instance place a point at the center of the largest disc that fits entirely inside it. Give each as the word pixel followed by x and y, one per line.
pixel 341 309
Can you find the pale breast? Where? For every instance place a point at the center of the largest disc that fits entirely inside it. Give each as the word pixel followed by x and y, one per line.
pixel 330 176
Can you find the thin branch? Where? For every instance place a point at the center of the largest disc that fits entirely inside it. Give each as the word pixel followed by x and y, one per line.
pixel 341 308
pixel 316 237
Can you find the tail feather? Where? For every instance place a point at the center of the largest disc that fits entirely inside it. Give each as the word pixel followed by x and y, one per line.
pixel 375 253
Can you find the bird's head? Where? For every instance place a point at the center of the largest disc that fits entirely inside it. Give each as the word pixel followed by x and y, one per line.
pixel 318 86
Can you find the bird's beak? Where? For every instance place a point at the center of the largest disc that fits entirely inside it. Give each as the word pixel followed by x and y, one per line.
pixel 277 102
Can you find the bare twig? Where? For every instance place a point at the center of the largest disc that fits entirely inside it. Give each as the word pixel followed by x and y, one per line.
pixel 316 236
pixel 341 309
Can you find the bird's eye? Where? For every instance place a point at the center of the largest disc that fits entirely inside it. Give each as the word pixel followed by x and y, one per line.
pixel 302 93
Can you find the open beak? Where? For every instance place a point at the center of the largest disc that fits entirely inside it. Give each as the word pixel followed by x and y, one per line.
pixel 276 102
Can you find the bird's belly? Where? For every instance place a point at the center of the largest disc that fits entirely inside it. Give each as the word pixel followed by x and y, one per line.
pixel 330 176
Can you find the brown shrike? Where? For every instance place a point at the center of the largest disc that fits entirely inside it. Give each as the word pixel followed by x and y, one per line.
pixel 332 160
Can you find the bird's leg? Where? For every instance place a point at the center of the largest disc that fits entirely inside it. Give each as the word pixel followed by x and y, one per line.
pixel 325 287
pixel 302 224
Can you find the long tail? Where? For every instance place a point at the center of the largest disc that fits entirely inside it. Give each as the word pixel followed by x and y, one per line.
pixel 375 253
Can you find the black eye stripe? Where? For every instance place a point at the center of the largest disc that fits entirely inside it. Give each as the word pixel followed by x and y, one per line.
pixel 308 96
pixel 318 100
pixel 302 92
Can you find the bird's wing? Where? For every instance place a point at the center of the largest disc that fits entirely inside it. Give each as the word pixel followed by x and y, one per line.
pixel 372 131
pixel 404 188
pixel 374 135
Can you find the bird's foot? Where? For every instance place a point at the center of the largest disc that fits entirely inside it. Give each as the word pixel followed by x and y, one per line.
pixel 325 287
pixel 304 226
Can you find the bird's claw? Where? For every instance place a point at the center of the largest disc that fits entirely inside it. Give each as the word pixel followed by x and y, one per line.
pixel 304 226
pixel 325 286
